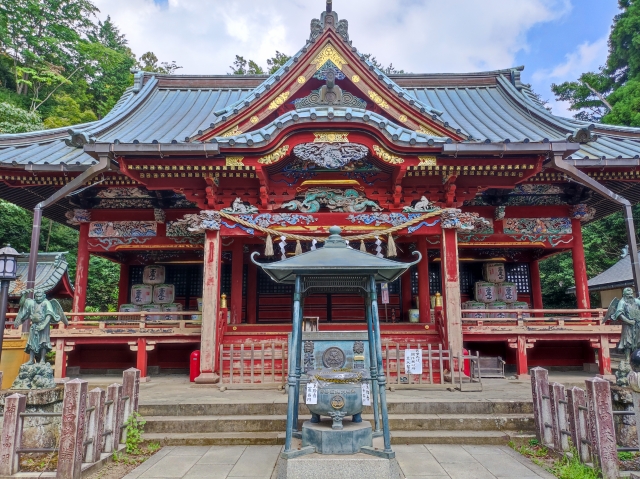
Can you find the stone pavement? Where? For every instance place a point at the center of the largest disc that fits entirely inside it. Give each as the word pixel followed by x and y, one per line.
pixel 416 461
pixel 176 389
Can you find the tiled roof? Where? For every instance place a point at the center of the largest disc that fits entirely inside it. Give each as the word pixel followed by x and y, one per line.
pixel 52 268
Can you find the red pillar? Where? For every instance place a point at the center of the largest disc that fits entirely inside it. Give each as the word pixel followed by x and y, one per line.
pixel 579 267
pixel 237 266
pixel 141 359
pixel 453 310
pixel 604 356
pixel 522 368
pixel 123 285
pixel 210 307
pixel 424 297
pixel 536 286
pixel 252 292
pixel 82 270
pixel 405 286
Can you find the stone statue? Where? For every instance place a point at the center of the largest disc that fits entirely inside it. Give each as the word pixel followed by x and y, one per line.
pixel 627 310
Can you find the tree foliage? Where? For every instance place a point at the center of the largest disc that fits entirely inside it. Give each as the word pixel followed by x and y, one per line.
pixel 102 287
pixel 242 66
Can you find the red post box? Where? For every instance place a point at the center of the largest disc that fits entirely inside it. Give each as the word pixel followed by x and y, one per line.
pixel 194 365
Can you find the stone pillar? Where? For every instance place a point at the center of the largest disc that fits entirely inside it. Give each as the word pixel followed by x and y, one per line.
pixel 123 284
pixel 579 266
pixel 252 293
pixel 237 269
pixel 210 307
pixel 424 295
pixel 603 434
pixel 12 434
pixel 577 408
pixel 541 405
pixel 113 417
pixel 74 408
pixel 131 379
pixel 451 278
pixel 95 425
pixel 82 270
pixel 559 423
pixel 536 285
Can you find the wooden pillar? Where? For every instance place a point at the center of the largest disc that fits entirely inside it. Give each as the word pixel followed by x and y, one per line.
pixel 82 270
pixel 123 285
pixel 451 276
pixel 210 307
pixel 237 269
pixel 252 292
pixel 424 296
pixel 536 286
pixel 405 286
pixel 604 356
pixel 142 348
pixel 579 266
pixel 521 345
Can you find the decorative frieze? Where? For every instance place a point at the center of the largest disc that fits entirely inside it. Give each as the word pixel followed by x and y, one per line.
pixel 275 156
pixel 453 218
pixel 386 156
pixel 582 212
pixel 239 207
pixel 159 215
pixel 266 220
pixel 379 219
pixel 122 229
pixel 75 217
pixel 336 200
pixel 421 206
pixel 330 155
pixel 200 222
pixel 537 226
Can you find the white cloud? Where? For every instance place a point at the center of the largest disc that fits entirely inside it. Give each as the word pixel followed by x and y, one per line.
pixel 586 57
pixel 416 35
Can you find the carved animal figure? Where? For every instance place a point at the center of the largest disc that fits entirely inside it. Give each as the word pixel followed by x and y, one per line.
pixel 339 201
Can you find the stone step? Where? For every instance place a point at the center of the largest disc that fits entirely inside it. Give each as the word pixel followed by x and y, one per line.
pixel 280 408
pixel 397 437
pixel 397 422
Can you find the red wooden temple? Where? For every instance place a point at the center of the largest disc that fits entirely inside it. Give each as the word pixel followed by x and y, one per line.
pixel 195 173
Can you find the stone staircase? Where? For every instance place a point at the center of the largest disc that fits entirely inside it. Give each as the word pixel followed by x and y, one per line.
pixel 419 422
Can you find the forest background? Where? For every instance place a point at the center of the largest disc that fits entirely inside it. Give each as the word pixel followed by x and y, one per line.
pixel 61 66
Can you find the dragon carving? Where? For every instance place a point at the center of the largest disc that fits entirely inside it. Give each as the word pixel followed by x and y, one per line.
pixel 336 200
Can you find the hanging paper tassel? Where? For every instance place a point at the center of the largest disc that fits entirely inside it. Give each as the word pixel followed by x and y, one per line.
pixel 391 247
pixel 298 248
pixel 378 248
pixel 363 248
pixel 283 244
pixel 268 248
pixel 313 245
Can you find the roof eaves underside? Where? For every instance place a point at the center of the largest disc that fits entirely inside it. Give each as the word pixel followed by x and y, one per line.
pixel 326 115
pixel 29 197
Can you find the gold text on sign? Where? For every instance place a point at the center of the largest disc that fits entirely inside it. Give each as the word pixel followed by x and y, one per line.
pixel 331 137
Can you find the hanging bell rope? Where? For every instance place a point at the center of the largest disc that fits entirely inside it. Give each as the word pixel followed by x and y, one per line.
pixel 268 248
pixel 391 247
pixel 298 248
pixel 296 237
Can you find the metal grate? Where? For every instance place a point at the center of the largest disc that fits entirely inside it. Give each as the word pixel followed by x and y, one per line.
pixel 225 280
pixel 518 273
pixel 470 273
pixel 435 286
pixel 268 286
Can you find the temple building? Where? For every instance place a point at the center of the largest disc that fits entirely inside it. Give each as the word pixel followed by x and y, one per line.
pixel 189 175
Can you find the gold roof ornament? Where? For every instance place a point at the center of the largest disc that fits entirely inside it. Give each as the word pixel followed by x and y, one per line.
pixel 275 156
pixel 331 137
pixel 329 53
pixel 386 156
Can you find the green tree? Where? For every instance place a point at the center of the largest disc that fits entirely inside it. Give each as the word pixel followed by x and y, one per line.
pixel 68 112
pixel 387 70
pixel 14 119
pixel 241 66
pixel 149 63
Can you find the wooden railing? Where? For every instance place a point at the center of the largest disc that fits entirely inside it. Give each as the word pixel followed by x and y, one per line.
pixel 533 317
pixel 111 322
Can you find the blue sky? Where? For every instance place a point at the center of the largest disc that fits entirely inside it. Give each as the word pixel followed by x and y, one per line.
pixel 556 40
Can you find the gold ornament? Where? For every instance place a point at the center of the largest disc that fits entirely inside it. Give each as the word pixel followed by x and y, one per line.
pixel 254 119
pixel 234 161
pixel 231 132
pixel 280 99
pixel 301 79
pixel 403 118
pixel 331 137
pixel 427 161
pixel 329 53
pixel 378 100
pixel 275 156
pixel 355 78
pixel 387 157
pixel 428 131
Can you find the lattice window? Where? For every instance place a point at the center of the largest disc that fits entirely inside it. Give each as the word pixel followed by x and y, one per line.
pixel 135 275
pixel 518 273
pixel 470 273
pixel 225 280
pixel 179 276
pixel 268 286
